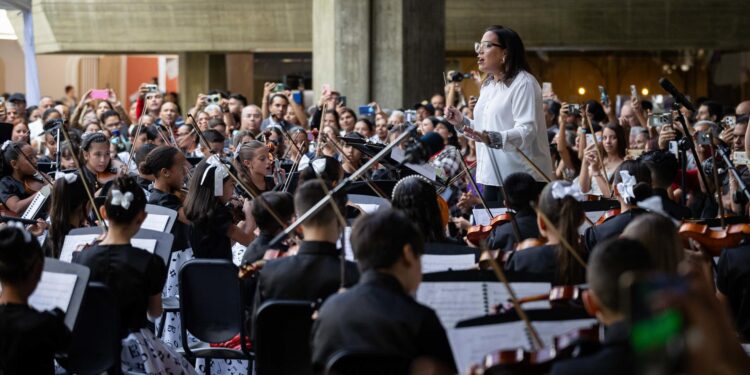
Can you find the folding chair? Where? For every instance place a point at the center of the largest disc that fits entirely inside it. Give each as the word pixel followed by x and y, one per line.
pixel 211 309
pixel 282 337
pixel 347 362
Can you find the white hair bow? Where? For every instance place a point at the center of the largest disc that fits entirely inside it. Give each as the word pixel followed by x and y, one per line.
pixel 68 177
pixel 319 166
pixel 19 225
pixel 560 191
pixel 122 200
pixel 5 145
pixel 220 173
pixel 626 184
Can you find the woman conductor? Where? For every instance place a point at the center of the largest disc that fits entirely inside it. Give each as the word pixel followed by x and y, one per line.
pixel 508 115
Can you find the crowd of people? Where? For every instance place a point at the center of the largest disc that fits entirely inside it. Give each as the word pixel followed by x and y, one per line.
pixel 239 174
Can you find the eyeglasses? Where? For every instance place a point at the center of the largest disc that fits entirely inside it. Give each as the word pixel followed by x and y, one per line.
pixel 481 46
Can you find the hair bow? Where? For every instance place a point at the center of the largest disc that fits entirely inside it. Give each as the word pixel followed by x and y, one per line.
pixel 19 225
pixel 68 177
pixel 220 173
pixel 626 184
pixel 319 166
pixel 5 145
pixel 120 199
pixel 561 190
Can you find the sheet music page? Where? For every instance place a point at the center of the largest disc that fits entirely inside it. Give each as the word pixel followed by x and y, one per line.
pixel 54 291
pixel 426 170
pixel 471 344
pixel 368 208
pixel 147 244
pixel 549 329
pixel 497 294
pixel 439 263
pixel 76 242
pixel 453 301
pixel 347 245
pixel 155 222
pixel 480 217
pixel 593 216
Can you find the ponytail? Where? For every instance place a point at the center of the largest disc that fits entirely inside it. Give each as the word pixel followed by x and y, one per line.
pixel 566 214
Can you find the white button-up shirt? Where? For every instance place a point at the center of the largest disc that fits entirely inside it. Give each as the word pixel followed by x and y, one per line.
pixel 516 113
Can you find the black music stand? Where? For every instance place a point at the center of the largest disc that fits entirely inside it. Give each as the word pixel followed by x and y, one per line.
pixel 153 209
pixel 79 290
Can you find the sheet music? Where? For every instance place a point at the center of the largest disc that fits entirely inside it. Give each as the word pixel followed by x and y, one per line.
pixel 439 263
pixel 426 170
pixel 454 301
pixel 480 215
pixel 77 242
pixel 549 329
pixel 36 203
pixel 155 222
pixel 471 344
pixel 593 216
pixel 497 294
pixel 54 291
pixel 368 208
pixel 349 253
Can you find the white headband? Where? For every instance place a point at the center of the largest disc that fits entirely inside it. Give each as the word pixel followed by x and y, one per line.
pixel 122 200
pixel 560 191
pixel 626 184
pixel 220 173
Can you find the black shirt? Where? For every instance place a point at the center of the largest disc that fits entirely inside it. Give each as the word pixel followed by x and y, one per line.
pixel 209 239
pixel 311 275
pixel 377 316
pixel 179 229
pixel 503 238
pixel 29 339
pixel 611 227
pixel 615 356
pixel 257 249
pixel 538 264
pixel 733 280
pixel 132 274
pixel 672 208
pixel 10 187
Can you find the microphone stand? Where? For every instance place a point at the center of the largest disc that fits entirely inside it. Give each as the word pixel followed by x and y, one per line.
pixel 722 150
pixel 340 187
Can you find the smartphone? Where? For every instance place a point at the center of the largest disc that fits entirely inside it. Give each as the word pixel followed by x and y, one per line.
pixel 326 88
pixel 589 139
pixel 574 109
pixel 152 88
pixel 657 331
pixel 740 158
pixel 213 99
pixel 102 94
pixel 342 100
pixel 633 91
pixel 279 87
pixel 674 148
pixel 729 121
pixel 297 97
pixel 546 89
pixel 366 110
pixel 703 138
pixel 603 96
pixel 659 120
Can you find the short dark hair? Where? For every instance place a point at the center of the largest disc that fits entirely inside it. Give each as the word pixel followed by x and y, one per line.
pixel 241 98
pixel 156 159
pixel 150 133
pixel 521 190
pixel 310 193
pixel 282 203
pixel 553 107
pixel 714 109
pixel 142 152
pixel 596 110
pixel 214 122
pixel 107 114
pixel 19 254
pixel 515 60
pixel 278 95
pixel 378 239
pixel 417 198
pixel 119 214
pixel 663 166
pixel 213 136
pixel 608 261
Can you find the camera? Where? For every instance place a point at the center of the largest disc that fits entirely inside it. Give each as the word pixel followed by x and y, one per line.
pixel 659 120
pixel 574 109
pixel 703 138
pixel 729 121
pixel 410 115
pixel 213 99
pixel 457 76
pixel 152 88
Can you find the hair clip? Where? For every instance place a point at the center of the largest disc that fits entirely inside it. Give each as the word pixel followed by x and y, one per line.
pixel 561 190
pixel 68 177
pixel 319 166
pixel 122 200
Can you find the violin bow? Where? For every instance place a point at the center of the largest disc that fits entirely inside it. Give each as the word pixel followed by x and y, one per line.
pixel 536 340
pixel 539 170
pixel 132 144
pixel 239 182
pixel 457 177
pixel 320 129
pixel 501 183
pixel 467 172
pixel 33 165
pixel 366 180
pixel 100 221
pixel 565 244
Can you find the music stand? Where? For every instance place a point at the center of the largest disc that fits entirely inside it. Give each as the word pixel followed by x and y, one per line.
pixel 160 210
pixel 164 240
pixel 82 279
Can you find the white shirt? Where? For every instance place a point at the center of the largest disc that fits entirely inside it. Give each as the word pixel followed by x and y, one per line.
pixel 516 113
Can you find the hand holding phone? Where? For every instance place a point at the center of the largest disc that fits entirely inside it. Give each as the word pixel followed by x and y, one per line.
pixel 101 94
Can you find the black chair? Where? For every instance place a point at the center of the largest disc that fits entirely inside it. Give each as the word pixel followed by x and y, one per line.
pixel 346 362
pixel 282 337
pixel 95 341
pixel 211 309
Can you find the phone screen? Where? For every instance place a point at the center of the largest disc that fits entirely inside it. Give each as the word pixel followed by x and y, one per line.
pixel 99 94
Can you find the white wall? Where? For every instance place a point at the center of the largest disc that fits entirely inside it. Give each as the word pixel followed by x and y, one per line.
pixel 53 74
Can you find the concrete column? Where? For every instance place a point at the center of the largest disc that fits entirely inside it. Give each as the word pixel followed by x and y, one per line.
pixel 341 48
pixel 240 74
pixel 200 72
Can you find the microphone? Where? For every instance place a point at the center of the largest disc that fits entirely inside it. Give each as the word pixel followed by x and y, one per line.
pixel 676 94
pixel 423 149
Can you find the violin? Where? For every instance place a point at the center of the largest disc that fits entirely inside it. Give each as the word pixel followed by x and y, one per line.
pixel 714 240
pixel 611 213
pixel 444 211
pixel 249 270
pixel 558 296
pixel 235 208
pixel 477 233
pixel 32 184
pixel 573 344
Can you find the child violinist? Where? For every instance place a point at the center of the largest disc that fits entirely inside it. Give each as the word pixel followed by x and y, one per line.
pixel 212 231
pixel 98 167
pixel 19 167
pixel 136 278
pixel 254 165
pixel 29 339
pixel 68 210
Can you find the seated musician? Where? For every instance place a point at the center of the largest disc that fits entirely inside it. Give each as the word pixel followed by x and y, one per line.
pixel 215 140
pixel 167 166
pixel 98 168
pixel 664 166
pixel 379 314
pixel 315 272
pixel 632 183
pixel 68 210
pixel 609 260
pixel 733 286
pixel 522 190
pixel 417 198
pixel 553 262
pixel 281 204
pixel 254 166
pixel 16 170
